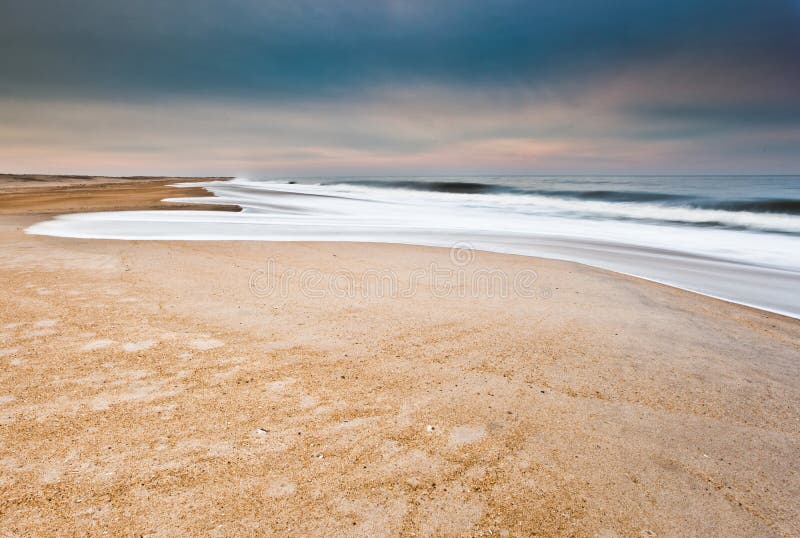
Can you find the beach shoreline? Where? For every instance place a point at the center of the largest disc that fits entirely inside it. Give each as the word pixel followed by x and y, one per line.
pixel 158 388
pixel 749 267
pixel 59 195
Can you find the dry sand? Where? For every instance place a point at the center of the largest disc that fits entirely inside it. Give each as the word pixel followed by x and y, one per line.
pixel 146 390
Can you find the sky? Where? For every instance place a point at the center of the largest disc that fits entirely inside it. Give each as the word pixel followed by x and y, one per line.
pixel 267 88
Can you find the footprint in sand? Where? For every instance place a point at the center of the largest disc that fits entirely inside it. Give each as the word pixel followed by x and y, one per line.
pixel 97 344
pixel 204 344
pixel 133 347
pixel 461 435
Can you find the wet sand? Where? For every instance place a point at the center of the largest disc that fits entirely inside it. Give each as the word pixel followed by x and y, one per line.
pixel 54 195
pixel 158 389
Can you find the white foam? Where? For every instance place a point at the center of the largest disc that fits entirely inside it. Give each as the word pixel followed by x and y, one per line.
pixel 741 265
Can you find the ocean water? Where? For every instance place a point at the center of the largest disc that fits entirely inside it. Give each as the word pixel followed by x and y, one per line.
pixel 731 237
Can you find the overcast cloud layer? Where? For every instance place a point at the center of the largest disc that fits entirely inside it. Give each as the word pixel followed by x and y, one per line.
pixel 404 86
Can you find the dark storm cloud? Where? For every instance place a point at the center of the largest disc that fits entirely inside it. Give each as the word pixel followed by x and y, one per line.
pixel 404 86
pixel 722 117
pixel 305 48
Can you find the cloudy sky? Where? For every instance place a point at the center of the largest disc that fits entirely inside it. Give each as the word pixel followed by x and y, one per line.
pixel 301 87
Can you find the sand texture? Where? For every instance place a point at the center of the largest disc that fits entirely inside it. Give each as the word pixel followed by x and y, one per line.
pixel 160 389
pixel 36 194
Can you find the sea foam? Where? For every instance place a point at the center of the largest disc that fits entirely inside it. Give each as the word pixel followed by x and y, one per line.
pixel 745 257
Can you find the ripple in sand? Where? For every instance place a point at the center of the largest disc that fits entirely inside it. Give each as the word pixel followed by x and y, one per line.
pixel 103 401
pixel 39 333
pixel 97 344
pixel 206 343
pixel 133 347
pixel 307 402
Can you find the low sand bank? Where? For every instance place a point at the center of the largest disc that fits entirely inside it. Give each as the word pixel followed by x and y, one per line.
pixel 157 388
pixel 47 195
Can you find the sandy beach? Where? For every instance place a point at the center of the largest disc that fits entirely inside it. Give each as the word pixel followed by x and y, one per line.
pixel 162 388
